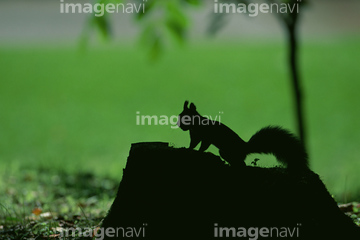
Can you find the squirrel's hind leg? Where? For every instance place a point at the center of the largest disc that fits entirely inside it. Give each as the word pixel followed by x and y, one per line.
pixel 204 146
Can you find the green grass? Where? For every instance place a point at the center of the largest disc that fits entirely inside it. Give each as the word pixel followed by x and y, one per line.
pixel 68 112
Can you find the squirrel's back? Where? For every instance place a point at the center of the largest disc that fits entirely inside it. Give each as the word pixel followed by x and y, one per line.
pixel 285 146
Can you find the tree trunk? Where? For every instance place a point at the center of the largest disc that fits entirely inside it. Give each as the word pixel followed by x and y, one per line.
pixel 296 83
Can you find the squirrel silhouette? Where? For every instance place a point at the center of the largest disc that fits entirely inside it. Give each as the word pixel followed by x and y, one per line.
pixel 285 146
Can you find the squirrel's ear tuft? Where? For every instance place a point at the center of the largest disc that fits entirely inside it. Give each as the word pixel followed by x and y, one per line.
pixel 186 104
pixel 192 106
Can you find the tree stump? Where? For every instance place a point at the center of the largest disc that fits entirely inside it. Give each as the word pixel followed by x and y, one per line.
pixel 177 193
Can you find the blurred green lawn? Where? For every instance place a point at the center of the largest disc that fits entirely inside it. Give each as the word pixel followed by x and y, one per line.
pixel 69 111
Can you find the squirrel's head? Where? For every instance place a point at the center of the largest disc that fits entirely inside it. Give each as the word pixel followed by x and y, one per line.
pixel 185 120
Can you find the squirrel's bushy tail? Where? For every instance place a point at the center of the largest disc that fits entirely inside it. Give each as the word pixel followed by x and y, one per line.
pixel 285 146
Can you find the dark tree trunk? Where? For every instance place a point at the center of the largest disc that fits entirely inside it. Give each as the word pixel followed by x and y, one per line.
pixel 296 82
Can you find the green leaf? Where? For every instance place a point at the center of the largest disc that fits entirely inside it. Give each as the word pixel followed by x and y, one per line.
pixel 149 6
pixel 193 2
pixel 103 25
pixel 177 29
pixel 151 39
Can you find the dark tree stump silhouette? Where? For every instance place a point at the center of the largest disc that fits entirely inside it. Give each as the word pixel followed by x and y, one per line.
pixel 181 194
